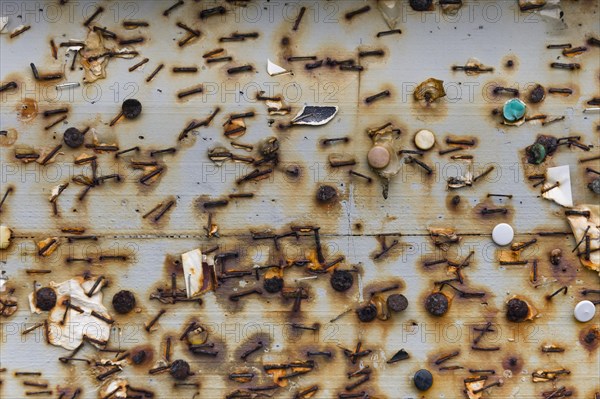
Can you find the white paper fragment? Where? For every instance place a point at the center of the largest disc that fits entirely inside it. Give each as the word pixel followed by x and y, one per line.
pixel 70 334
pixel 192 270
pixel 5 235
pixel 274 69
pixel 198 271
pixel 3 281
pixel 579 226
pixel 390 10
pixel 3 24
pixel 561 194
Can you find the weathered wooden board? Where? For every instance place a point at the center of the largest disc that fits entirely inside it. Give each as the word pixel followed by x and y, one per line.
pixel 430 43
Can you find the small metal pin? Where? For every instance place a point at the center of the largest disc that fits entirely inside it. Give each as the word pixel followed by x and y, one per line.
pixel 172 8
pixel 188 29
pixel 422 164
pixel 352 14
pixel 8 86
pixel 219 59
pixel 314 65
pixel 560 65
pixel 552 187
pixel 19 31
pixel 185 69
pixel 247 353
pixel 156 71
pixel 357 68
pixel 170 150
pixel 139 64
pixel 354 173
pixel 445 358
pixel 51 154
pixel 450 150
pixel 240 69
pixel 513 262
pixel 105 32
pixel 371 53
pixel 594 158
pixel 389 32
pixel 302 58
pixel 59 120
pixel 98 11
pixel 154 320
pixel 299 18
pixel 94 287
pixel 236 297
pixel 467 142
pixel 164 210
pixel 485 173
pixel 523 245
pixel 383 94
pixel 129 24
pixel 209 12
pixel 136 40
pixel 485 349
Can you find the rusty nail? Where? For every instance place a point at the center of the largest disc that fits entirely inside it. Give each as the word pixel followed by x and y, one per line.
pixel 154 320
pixel 59 120
pixel 247 353
pixel 153 74
pixel 139 64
